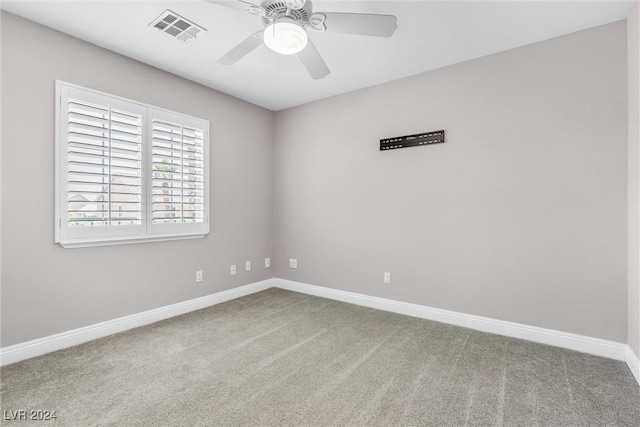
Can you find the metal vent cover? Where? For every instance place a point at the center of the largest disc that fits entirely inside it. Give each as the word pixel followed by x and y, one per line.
pixel 176 26
pixel 276 9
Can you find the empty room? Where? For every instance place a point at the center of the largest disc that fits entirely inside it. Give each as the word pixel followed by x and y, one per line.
pixel 320 213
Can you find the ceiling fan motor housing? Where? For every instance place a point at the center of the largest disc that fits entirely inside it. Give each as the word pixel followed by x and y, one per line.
pixel 276 9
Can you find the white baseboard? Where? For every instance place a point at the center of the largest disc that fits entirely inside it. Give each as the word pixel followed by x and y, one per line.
pixel 40 346
pixel 581 343
pixel 595 346
pixel 634 363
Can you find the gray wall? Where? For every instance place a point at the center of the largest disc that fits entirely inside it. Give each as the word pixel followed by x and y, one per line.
pixel 47 289
pixel 521 215
pixel 633 49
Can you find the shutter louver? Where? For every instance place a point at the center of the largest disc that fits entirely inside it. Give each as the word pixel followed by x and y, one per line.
pixel 104 161
pixel 178 173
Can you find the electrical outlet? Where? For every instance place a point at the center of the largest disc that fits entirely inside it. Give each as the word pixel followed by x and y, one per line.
pixel 247 266
pixel 387 278
pixel 293 263
pixel 199 276
pixel 267 262
pixel 233 270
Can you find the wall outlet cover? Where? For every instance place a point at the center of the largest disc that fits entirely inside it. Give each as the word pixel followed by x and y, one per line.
pixel 293 263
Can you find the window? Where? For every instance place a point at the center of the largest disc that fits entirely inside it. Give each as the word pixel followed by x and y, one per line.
pixel 127 172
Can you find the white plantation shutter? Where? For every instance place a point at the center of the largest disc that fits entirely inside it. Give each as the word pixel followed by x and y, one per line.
pixel 178 172
pixel 104 161
pixel 127 172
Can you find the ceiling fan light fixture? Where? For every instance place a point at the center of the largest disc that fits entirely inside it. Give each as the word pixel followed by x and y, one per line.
pixel 285 36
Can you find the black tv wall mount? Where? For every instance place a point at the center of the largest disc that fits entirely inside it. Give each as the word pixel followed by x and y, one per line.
pixel 426 138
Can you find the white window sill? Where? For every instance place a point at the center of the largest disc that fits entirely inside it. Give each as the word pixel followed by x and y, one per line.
pixel 125 240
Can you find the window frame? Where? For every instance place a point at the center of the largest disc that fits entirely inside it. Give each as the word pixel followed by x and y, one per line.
pixel 74 237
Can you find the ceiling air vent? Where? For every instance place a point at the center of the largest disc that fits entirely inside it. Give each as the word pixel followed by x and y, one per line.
pixel 176 26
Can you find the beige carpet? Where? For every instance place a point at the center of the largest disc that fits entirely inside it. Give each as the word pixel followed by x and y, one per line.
pixel 283 358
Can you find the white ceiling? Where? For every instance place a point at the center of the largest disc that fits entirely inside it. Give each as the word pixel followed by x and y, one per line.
pixel 430 35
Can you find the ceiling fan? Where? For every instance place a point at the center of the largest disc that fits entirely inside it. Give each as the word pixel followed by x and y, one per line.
pixel 286 23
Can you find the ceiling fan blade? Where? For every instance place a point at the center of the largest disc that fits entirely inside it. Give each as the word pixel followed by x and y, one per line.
pixel 245 47
pixel 360 23
pixel 313 62
pixel 240 5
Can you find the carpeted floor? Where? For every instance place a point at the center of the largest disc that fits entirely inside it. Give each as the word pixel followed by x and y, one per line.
pixel 283 358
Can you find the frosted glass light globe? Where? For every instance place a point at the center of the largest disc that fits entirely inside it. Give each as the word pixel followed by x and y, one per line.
pixel 285 36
